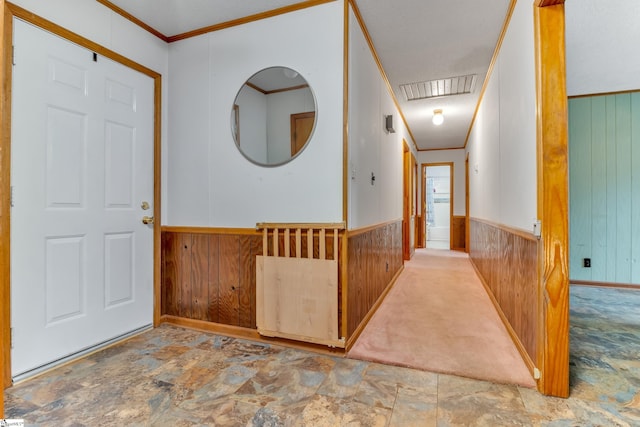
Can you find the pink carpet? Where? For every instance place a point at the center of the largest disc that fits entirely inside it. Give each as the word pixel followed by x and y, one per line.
pixel 438 317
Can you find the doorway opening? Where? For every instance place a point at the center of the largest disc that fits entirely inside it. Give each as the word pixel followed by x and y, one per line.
pixel 437 196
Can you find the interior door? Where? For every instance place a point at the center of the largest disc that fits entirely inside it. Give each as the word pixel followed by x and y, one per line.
pixel 301 127
pixel 81 168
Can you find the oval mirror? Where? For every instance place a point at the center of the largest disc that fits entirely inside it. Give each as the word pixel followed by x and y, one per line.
pixel 273 116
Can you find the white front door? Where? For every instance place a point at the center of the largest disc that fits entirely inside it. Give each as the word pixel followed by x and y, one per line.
pixel 81 168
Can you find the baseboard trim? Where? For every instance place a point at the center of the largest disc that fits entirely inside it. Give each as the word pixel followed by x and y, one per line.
pixel 514 337
pixel 246 333
pixel 354 337
pixel 605 284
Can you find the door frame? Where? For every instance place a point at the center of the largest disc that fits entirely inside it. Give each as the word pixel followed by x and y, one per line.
pixel 293 119
pixel 12 11
pixel 466 203
pixel 409 194
pixel 423 170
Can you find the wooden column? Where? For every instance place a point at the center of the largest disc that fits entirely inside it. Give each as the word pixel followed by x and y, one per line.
pixel 553 200
pixel 5 201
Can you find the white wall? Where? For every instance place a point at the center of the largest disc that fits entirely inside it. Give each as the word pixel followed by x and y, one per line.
pixel 211 183
pixel 371 148
pixel 502 145
pixel 99 24
pixel 602 46
pixel 281 106
pixel 447 156
pixel 253 123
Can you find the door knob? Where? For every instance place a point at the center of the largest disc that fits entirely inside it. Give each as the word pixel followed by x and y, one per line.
pixel 147 220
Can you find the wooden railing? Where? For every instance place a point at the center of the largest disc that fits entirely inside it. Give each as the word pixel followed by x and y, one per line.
pixel 297 296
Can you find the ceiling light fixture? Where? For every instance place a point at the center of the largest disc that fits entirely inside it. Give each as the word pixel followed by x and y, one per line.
pixel 290 73
pixel 438 118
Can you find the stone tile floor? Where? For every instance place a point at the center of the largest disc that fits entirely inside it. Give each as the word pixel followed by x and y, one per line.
pixel 176 377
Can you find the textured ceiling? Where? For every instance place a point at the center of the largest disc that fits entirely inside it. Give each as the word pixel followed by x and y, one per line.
pixel 416 40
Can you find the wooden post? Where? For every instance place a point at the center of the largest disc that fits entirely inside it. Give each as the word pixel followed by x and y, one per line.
pixel 310 243
pixel 553 200
pixel 287 242
pixel 322 244
pixel 5 209
pixel 275 242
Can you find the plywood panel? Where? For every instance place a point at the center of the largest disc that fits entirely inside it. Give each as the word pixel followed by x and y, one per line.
pixel 635 186
pixel 229 279
pixel 598 250
pixel 184 276
pixel 374 257
pixel 603 187
pixel 217 265
pixel 199 277
pixel 612 194
pixel 623 188
pixel 245 290
pixel 580 185
pixel 299 296
pixel 508 265
pixel 170 267
pixel 213 310
pixel 256 249
pixel 458 232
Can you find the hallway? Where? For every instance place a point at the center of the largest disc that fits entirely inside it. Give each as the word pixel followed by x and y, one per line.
pixel 438 317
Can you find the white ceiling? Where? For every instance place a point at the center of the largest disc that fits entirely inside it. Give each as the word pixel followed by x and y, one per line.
pixel 416 40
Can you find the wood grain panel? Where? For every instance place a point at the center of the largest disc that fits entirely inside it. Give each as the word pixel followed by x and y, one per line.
pixel 458 232
pixel 373 259
pixel 553 198
pixel 170 263
pixel 218 267
pixel 247 275
pixel 184 276
pixel 199 277
pixel 508 266
pixel 5 206
pixel 229 279
pixel 213 310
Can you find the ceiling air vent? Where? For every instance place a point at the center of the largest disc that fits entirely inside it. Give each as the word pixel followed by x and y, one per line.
pixel 441 87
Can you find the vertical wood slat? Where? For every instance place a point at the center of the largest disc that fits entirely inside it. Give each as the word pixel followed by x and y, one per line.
pixel 298 243
pixel 322 244
pixel 214 278
pixel 275 242
pixel 184 276
pixel 310 243
pixel 287 242
pixel 247 273
pixel 265 241
pixel 199 276
pixel 366 280
pixel 335 244
pixel 229 276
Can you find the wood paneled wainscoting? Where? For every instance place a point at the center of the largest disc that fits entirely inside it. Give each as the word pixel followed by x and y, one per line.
pixel 458 233
pixel 374 260
pixel 209 276
pixel 506 260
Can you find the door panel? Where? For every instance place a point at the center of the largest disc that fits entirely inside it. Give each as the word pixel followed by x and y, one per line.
pixel 82 164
